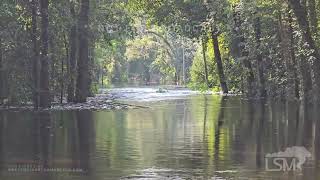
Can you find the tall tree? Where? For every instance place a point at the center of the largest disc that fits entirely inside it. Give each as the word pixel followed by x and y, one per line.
pixel 204 49
pixel 83 58
pixel 286 41
pixel 217 56
pixel 293 56
pixel 73 56
pixel 35 58
pixel 1 73
pixel 262 85
pixel 91 67
pixel 313 16
pixel 44 72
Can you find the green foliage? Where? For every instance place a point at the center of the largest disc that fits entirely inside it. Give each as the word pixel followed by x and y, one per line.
pixel 231 67
pixel 161 65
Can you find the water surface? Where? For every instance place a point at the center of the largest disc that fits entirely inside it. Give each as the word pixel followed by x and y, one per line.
pixel 190 137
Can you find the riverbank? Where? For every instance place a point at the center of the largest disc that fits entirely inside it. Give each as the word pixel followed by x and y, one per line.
pixel 97 103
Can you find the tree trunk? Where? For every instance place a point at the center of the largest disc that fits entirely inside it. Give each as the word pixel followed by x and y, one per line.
pixel 35 62
pixel 301 14
pixel 204 49
pixel 178 72
pixel 44 72
pixel 102 75
pixel 91 67
pixel 305 72
pixel 66 47
pixel 288 55
pixel 217 56
pixel 72 57
pixel 183 67
pixel 146 73
pixel 249 75
pixel 293 57
pixel 54 67
pixel 262 86
pixel 83 61
pixel 1 74
pixel 306 78
pixel 313 16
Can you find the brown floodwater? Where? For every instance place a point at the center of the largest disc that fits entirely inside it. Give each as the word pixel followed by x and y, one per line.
pixel 194 137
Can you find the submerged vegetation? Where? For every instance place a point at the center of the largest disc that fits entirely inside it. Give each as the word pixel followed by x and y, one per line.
pixel 65 50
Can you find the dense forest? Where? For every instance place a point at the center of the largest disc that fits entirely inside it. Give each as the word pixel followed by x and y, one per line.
pixel 65 50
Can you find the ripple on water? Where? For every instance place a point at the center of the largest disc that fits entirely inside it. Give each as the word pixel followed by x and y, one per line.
pixel 171 174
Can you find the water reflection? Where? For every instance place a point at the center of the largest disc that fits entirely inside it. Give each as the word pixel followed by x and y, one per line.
pixel 86 136
pixel 2 140
pixel 199 137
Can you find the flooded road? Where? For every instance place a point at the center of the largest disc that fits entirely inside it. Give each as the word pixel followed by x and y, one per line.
pixel 186 136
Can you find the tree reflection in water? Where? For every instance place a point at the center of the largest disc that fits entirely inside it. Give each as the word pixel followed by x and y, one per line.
pixel 204 136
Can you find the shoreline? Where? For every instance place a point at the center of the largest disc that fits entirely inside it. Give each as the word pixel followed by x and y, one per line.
pixel 106 100
pixel 97 103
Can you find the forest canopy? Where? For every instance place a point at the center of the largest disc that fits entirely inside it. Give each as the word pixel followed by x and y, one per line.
pixel 66 50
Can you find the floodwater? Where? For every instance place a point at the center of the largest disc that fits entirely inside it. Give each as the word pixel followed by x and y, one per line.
pixel 192 136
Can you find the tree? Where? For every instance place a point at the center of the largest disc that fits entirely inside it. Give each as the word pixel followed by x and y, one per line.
pixel 301 14
pixel 72 57
pixel 313 16
pixel 286 38
pixel 44 72
pixel 238 46
pixel 1 74
pixel 35 62
pixel 261 74
pixel 293 58
pixel 217 56
pixel 204 49
pixel 83 57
